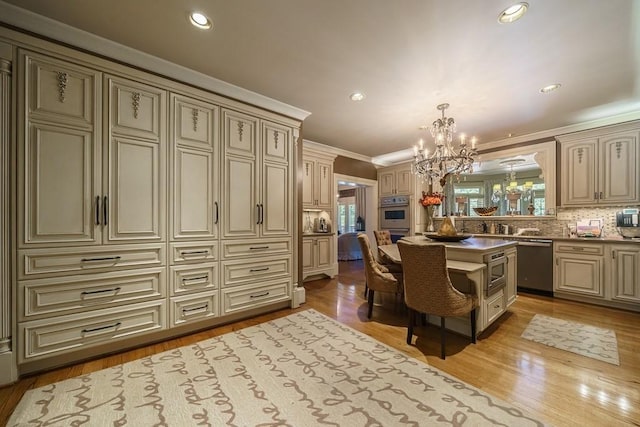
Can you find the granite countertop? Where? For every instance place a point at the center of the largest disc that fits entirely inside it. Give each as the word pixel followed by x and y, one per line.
pixel 472 244
pixel 606 239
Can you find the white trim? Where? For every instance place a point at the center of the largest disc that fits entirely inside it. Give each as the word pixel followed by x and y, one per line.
pixel 317 146
pixel 371 220
pixel 47 27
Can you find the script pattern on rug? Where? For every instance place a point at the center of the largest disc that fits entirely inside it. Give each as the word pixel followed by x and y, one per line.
pixel 590 341
pixel 301 370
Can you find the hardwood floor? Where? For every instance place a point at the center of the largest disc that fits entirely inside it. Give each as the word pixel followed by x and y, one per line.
pixel 560 388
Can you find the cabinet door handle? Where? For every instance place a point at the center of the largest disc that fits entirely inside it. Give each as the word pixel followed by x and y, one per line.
pixel 100 328
pixel 613 254
pixel 105 211
pixel 261 213
pixel 255 270
pixel 97 210
pixel 601 197
pixel 101 291
pixel 217 213
pixel 595 195
pixel 258 213
pixel 105 258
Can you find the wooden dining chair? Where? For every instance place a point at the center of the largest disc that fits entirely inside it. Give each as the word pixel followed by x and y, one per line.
pixel 428 288
pixel 378 277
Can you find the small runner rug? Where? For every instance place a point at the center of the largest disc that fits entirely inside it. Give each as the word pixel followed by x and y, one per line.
pixel 301 370
pixel 585 340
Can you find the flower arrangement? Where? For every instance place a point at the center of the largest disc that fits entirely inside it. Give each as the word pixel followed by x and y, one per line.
pixel 431 199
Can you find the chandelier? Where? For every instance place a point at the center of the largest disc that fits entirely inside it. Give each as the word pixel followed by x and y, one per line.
pixel 445 160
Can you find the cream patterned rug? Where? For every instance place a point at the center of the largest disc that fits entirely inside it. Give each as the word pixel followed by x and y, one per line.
pixel 301 370
pixel 590 341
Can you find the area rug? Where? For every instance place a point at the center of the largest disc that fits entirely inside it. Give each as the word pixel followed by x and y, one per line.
pixel 301 370
pixel 589 341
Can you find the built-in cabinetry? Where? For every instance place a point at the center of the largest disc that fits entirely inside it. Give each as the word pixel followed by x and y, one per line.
pixel 600 166
pixel 394 180
pixel 319 252
pixel 601 273
pixel 143 205
pixel 512 275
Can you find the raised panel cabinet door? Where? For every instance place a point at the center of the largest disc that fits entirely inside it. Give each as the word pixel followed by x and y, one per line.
pixel 195 213
pixel 324 188
pixel 60 201
pixel 308 251
pixel 386 181
pixel 136 109
pixel 276 205
pixel 619 171
pixel 135 196
pixel 512 277
pixel 276 141
pixel 240 209
pixel 60 91
pixel 324 252
pixel 195 123
pixel 403 182
pixel 308 183
pixel 579 275
pixel 240 134
pixel 625 273
pixel 579 173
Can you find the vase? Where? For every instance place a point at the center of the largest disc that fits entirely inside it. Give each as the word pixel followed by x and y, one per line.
pixel 430 212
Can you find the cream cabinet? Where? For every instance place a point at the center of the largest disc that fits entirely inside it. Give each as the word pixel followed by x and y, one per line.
pixel 600 167
pixel 395 180
pixel 623 265
pixel 257 197
pixel 579 268
pixel 317 188
pixel 512 276
pixel 318 256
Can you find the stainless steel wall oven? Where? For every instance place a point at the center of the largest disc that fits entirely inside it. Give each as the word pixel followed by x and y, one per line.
pixel 395 213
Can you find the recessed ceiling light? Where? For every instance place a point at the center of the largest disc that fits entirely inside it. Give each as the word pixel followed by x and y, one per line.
pixel 550 88
pixel 357 96
pixel 199 20
pixel 513 13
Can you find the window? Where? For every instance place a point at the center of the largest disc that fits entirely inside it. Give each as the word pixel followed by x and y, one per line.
pixel 468 195
pixel 347 214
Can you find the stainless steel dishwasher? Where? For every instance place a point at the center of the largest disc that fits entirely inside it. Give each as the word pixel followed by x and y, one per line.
pixel 535 266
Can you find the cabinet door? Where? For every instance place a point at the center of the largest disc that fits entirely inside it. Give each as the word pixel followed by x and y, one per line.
pixel 619 169
pixel 578 172
pixel 386 181
pixel 240 134
pixel 308 253
pixel 403 182
pixel 195 123
pixel 275 209
pixel 308 183
pixel 579 275
pixel 135 196
pixel 195 213
pixel 625 273
pixel 61 184
pixel 324 251
pixel 240 210
pixel 512 277
pixel 324 185
pixel 275 142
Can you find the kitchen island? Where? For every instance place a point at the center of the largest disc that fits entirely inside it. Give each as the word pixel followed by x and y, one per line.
pixel 484 266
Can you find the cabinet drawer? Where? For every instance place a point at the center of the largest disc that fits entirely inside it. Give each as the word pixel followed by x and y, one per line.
pixel 193 278
pixel 190 308
pixel 246 297
pixel 249 248
pixel 184 253
pixel 494 306
pixel 78 260
pixel 580 248
pixel 62 295
pixel 47 337
pixel 254 270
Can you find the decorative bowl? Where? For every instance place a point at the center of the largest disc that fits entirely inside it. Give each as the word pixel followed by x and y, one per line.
pixel 444 238
pixel 486 211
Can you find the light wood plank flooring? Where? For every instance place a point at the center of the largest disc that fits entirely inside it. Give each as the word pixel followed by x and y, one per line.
pixel 561 388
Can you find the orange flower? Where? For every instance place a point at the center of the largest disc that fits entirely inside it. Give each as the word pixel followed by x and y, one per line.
pixel 431 199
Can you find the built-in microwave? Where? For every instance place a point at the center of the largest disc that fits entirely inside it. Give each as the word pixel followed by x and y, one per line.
pixel 395 213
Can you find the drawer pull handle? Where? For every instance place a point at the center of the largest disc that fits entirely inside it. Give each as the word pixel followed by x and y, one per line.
pixel 106 258
pixel 190 310
pixel 258 296
pixel 102 291
pixel 575 248
pixel 100 328
pixel 190 279
pixel 254 270
pixel 194 252
pixel 253 248
pixel 496 306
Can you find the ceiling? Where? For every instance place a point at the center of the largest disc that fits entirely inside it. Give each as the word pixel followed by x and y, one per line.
pixel 407 56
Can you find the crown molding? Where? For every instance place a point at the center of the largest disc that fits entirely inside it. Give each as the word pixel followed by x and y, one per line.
pixel 55 30
pixel 316 146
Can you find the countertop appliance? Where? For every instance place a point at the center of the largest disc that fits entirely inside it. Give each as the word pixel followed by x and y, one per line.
pixel 627 223
pixel 535 266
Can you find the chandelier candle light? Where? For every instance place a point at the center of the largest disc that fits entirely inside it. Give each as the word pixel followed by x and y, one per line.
pixel 445 160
